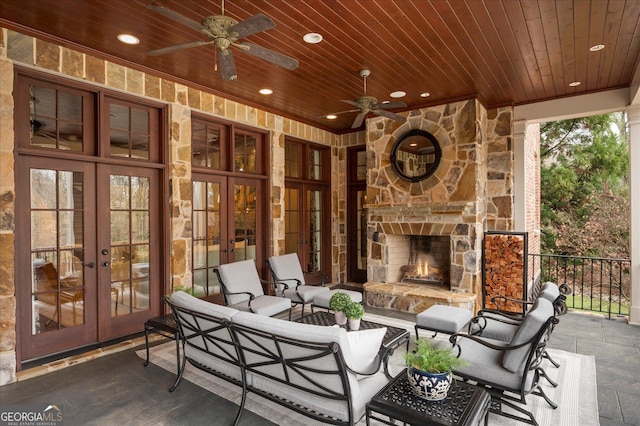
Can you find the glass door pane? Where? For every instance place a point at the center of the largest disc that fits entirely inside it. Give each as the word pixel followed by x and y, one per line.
pixel 292 226
pixel 207 237
pixel 129 243
pixel 246 225
pixel 361 240
pixel 314 230
pixel 57 250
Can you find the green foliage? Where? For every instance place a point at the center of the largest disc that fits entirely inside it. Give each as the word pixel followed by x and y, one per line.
pixel 354 310
pixel 339 301
pixel 585 186
pixel 188 290
pixel 432 359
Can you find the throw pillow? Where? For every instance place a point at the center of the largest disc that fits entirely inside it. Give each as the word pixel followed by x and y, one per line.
pixel 363 346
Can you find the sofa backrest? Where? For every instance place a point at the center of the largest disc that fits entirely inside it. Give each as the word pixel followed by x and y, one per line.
pixel 241 276
pixel 300 363
pixel 203 326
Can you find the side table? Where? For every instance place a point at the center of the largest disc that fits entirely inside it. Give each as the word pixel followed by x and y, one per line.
pixel 464 405
pixel 166 326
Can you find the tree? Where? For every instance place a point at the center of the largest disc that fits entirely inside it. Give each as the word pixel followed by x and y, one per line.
pixel 585 186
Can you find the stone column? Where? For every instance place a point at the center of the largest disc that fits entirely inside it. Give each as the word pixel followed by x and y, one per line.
pixel 181 195
pixel 7 224
pixel 633 114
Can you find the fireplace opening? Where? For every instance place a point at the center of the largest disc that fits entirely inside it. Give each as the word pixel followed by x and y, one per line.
pixel 428 262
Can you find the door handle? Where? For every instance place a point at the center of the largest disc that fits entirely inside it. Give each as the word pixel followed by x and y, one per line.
pixel 89 265
pixel 106 263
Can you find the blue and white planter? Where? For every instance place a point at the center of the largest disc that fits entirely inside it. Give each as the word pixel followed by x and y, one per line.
pixel 430 386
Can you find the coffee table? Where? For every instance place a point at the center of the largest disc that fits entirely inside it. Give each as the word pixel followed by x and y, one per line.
pixel 393 338
pixel 464 405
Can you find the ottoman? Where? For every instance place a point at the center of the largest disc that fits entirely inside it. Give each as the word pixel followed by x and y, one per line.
pixel 443 319
pixel 322 300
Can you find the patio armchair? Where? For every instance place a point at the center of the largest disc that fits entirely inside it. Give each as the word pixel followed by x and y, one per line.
pixel 292 282
pixel 509 370
pixel 501 325
pixel 242 289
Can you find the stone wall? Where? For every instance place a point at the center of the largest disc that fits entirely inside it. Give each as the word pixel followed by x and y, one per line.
pixel 19 49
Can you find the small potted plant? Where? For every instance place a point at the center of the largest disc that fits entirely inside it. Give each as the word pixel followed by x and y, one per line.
pixel 338 304
pixel 429 369
pixel 354 313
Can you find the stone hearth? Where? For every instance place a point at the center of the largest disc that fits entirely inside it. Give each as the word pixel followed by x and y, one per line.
pixel 414 298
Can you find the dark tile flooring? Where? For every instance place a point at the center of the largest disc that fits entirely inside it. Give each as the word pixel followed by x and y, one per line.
pixel 117 389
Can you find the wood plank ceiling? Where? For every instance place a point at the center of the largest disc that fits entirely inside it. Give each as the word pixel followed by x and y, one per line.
pixel 505 52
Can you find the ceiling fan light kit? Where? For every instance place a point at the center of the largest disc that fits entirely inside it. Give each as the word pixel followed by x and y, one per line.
pixel 367 104
pixel 224 32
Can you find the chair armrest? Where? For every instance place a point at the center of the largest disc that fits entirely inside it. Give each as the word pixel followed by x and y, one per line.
pixel 454 338
pixel 507 317
pixel 251 295
pixel 275 284
pixel 481 321
pixel 504 299
pixel 283 282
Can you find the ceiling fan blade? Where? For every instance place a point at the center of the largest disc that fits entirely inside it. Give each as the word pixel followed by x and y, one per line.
pixel 350 102
pixel 389 115
pixel 227 65
pixel 176 17
pixel 252 25
pixel 389 105
pixel 358 120
pixel 164 50
pixel 270 56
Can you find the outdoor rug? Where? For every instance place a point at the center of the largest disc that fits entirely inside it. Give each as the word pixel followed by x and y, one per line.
pixel 576 393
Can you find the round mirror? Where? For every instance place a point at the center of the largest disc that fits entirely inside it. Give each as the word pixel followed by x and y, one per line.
pixel 416 155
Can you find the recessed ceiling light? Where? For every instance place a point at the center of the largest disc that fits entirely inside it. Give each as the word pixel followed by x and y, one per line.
pixel 596 47
pixel 385 102
pixel 575 83
pixel 425 95
pixel 128 39
pixel 331 117
pixel 398 94
pixel 265 91
pixel 312 38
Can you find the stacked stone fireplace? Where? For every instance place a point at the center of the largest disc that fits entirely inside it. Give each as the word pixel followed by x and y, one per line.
pixel 446 242
pixel 469 193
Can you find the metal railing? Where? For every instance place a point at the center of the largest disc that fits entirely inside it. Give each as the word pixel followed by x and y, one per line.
pixel 597 284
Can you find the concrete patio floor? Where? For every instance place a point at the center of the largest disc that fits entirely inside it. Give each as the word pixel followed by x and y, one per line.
pixel 116 389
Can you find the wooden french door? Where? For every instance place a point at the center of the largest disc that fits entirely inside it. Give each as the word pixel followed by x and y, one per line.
pixel 357 216
pixel 128 248
pixel 228 226
pixel 57 262
pixel 91 261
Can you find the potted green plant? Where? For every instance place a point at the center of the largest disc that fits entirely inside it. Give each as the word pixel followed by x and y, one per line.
pixel 429 369
pixel 338 304
pixel 354 313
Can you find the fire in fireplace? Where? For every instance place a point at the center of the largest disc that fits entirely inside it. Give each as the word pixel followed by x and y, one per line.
pixel 429 260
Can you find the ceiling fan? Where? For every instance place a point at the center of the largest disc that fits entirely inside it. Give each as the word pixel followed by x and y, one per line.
pixel 225 32
pixel 367 104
